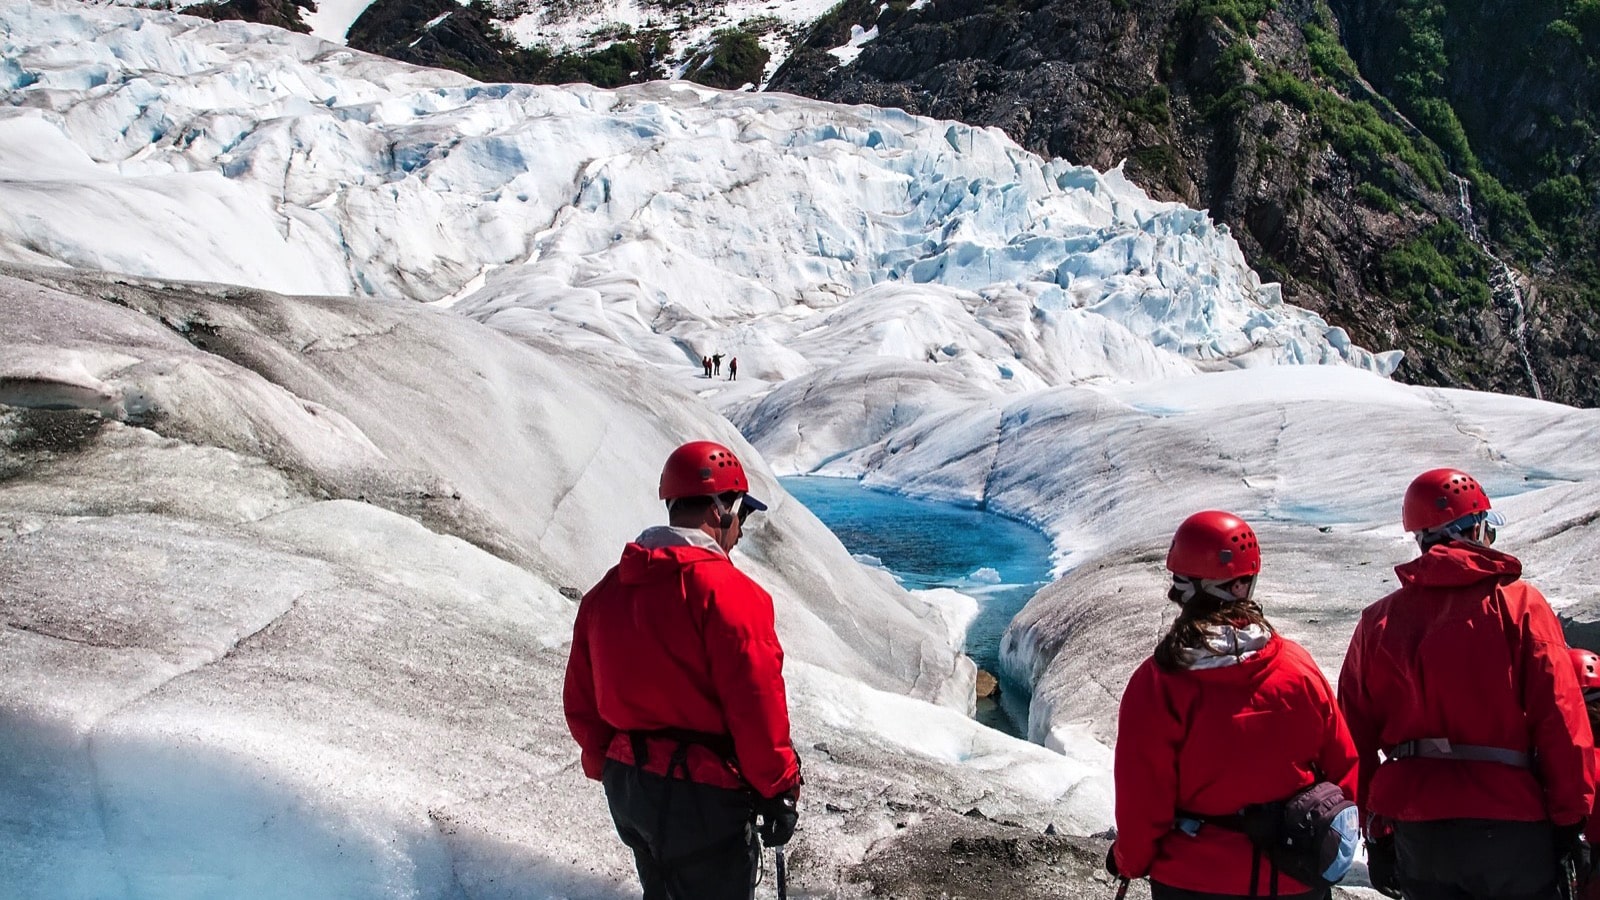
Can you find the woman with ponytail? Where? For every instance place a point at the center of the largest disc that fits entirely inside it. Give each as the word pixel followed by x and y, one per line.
pixel 1225 716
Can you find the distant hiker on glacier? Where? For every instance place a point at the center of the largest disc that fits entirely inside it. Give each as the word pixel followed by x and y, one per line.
pixel 1461 680
pixel 716 363
pixel 1226 733
pixel 675 694
pixel 705 362
pixel 733 369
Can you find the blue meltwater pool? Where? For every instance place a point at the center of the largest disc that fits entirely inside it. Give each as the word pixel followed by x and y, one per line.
pixel 997 561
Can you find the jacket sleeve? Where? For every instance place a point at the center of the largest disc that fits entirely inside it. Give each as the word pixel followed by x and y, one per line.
pixel 747 673
pixel 1149 734
pixel 1358 716
pixel 578 698
pixel 1558 723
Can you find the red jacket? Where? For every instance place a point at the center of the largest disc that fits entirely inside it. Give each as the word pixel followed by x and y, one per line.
pixel 676 637
pixel 1465 651
pixel 1211 741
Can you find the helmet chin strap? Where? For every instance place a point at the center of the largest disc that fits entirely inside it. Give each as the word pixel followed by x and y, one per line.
pixel 728 512
pixel 725 519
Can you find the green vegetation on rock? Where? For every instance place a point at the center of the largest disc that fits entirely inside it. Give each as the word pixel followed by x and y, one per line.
pixel 1439 270
pixel 735 58
pixel 1241 16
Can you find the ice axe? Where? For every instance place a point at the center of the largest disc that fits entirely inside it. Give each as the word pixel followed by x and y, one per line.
pixel 1122 889
pixel 782 873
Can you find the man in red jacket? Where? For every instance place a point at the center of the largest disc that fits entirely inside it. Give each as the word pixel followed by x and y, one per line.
pixel 674 692
pixel 1460 679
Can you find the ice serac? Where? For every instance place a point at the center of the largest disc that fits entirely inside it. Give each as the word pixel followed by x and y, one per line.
pixel 283 594
pixel 652 219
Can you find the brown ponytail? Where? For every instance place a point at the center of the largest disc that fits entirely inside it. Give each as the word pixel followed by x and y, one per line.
pixel 1203 610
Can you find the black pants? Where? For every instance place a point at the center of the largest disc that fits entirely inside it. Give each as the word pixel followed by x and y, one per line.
pixel 1476 859
pixel 1159 891
pixel 689 841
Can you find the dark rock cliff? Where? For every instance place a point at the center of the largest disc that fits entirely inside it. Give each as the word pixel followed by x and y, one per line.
pixel 282 13
pixel 441 34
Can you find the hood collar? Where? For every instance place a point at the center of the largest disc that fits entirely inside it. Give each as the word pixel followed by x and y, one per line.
pixel 658 536
pixel 1457 563
pixel 662 552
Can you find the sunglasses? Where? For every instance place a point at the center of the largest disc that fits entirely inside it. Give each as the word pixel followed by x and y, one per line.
pixel 738 508
pixel 744 505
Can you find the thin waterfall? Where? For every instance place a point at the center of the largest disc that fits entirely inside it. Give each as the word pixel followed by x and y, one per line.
pixel 1506 286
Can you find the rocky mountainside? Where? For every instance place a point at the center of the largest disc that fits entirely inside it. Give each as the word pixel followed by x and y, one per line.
pixel 1421 172
pixel 281 13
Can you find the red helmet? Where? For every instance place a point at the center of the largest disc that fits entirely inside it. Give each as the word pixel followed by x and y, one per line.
pixel 1441 496
pixel 1214 545
pixel 1587 666
pixel 700 468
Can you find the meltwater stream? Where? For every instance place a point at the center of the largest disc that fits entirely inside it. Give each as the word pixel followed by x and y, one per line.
pixel 995 560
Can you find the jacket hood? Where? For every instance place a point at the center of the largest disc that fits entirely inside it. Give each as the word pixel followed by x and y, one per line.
pixel 1456 564
pixel 662 552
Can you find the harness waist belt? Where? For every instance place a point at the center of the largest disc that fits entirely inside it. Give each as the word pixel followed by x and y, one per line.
pixel 720 744
pixel 1442 748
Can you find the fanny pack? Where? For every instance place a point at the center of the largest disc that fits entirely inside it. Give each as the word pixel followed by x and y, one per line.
pixel 1311 836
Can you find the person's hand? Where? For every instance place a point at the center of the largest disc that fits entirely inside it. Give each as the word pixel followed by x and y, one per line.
pixel 1381 866
pixel 1571 846
pixel 777 818
pixel 1111 860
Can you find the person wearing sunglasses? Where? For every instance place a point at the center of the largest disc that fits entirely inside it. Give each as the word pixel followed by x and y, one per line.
pixel 675 693
pixel 1477 764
